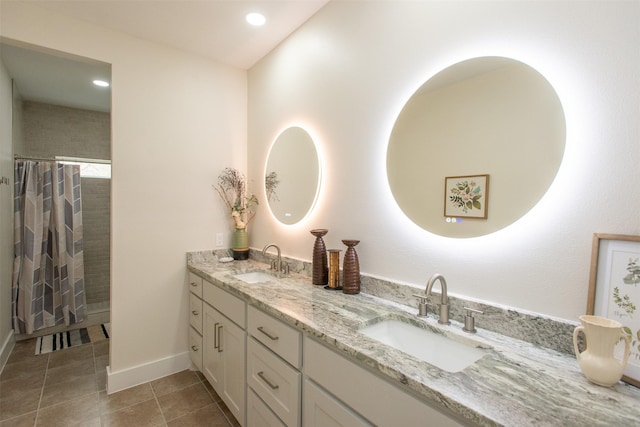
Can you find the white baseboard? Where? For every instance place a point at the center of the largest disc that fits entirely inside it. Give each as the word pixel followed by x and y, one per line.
pixel 7 347
pixel 136 375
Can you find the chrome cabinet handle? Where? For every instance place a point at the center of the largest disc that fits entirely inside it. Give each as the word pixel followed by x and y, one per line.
pixel 269 383
pixel 215 336
pixel 271 337
pixel 195 312
pixel 219 334
pixel 194 348
pixel 194 284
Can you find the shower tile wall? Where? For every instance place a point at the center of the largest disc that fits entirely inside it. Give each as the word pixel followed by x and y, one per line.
pixel 95 221
pixel 51 130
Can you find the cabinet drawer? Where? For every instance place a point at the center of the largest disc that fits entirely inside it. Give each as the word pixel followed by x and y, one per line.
pixel 229 305
pixel 323 410
pixel 195 312
pixel 259 414
pixel 279 337
pixel 379 402
pixel 277 383
pixel 195 348
pixel 195 284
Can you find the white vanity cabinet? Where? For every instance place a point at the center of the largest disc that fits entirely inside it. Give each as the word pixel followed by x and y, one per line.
pixel 338 392
pixel 195 320
pixel 268 373
pixel 224 347
pixel 274 357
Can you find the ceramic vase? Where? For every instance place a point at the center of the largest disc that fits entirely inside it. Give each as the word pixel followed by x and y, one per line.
pixel 240 244
pixel 597 361
pixel 351 269
pixel 320 270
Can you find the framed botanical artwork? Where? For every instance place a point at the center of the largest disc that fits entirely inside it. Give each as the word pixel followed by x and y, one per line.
pixel 466 196
pixel 614 291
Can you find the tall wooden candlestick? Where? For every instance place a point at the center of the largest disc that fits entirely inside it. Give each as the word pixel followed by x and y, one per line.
pixel 351 269
pixel 320 270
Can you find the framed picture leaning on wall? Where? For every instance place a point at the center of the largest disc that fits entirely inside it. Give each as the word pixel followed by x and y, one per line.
pixel 614 291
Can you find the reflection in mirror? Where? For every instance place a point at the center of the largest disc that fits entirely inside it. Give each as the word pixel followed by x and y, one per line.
pixel 292 178
pixel 484 116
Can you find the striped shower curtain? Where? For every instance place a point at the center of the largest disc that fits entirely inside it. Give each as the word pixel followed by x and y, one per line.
pixel 48 269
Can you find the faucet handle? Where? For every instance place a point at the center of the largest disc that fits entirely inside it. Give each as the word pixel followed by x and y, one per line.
pixel 285 268
pixel 469 320
pixel 422 305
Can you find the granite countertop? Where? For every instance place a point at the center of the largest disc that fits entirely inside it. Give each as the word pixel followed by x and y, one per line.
pixel 514 384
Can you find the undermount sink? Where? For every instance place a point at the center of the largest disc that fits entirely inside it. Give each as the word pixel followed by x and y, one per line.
pixel 433 348
pixel 255 277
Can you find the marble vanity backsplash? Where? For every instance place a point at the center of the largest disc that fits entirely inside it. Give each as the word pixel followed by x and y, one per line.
pixel 543 331
pixel 554 334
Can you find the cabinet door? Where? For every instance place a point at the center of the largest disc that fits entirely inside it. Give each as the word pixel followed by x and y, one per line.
pixel 211 357
pixel 232 348
pixel 224 359
pixel 323 410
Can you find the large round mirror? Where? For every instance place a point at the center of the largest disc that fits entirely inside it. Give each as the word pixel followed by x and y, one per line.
pixel 292 177
pixel 476 147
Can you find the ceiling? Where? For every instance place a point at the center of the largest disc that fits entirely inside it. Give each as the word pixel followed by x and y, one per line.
pixel 215 29
pixel 57 79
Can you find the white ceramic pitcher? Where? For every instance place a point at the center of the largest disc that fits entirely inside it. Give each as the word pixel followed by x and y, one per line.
pixel 597 361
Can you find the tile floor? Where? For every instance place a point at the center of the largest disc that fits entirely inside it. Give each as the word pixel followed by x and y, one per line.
pixel 68 388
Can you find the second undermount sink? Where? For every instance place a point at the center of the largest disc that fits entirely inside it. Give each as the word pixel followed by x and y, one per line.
pixel 431 347
pixel 255 277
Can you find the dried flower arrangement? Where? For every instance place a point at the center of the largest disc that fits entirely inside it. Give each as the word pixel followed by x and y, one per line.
pixel 232 188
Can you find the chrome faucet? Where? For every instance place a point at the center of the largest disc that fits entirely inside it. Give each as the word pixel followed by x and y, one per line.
pixel 277 263
pixel 444 299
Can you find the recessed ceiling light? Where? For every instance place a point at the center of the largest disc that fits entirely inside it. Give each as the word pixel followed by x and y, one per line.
pixel 101 83
pixel 256 19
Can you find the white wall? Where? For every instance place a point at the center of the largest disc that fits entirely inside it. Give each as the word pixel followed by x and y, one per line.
pixel 6 213
pixel 346 74
pixel 177 121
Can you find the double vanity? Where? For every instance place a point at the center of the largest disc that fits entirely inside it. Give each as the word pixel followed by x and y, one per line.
pixel 280 351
